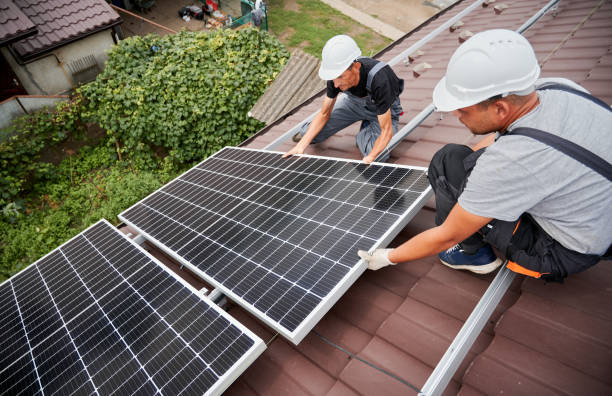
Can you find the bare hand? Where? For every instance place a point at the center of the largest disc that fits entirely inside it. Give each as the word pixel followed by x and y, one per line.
pixel 368 159
pixel 297 149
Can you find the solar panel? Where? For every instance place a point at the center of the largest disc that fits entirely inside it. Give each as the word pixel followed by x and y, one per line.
pixel 280 236
pixel 99 315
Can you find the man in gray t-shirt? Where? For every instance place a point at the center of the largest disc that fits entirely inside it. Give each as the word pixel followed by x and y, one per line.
pixel 545 204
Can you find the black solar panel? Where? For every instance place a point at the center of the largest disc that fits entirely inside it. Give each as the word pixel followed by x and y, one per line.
pixel 98 315
pixel 280 235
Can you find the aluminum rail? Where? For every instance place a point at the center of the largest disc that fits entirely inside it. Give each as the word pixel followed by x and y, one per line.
pixel 404 131
pixel 447 366
pixel 281 139
pixel 426 112
pixel 537 16
pixel 444 371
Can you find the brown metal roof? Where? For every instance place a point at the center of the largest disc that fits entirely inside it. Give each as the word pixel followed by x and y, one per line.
pixel 542 339
pixel 14 25
pixel 62 21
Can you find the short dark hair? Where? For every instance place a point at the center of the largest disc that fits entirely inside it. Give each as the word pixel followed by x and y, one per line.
pixel 514 99
pixel 487 102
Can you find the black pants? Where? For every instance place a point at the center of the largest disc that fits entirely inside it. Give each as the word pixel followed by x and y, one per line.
pixel 523 242
pixel 447 175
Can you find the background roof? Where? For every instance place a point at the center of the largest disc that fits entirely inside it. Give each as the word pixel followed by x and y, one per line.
pixel 62 21
pixel 14 25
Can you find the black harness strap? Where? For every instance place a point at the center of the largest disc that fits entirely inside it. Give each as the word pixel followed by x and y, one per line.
pixel 372 73
pixel 561 87
pixel 579 153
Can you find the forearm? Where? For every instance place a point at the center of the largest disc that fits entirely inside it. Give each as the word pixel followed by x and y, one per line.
pixel 315 127
pixel 386 133
pixel 425 244
pixel 459 225
pixel 381 143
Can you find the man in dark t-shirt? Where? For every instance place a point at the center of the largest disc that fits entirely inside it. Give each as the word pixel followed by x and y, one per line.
pixel 372 96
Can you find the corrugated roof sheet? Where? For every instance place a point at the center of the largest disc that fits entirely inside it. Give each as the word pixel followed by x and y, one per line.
pixel 298 81
pixel 542 339
pixel 14 24
pixel 62 21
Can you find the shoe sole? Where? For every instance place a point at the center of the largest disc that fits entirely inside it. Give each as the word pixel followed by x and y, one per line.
pixel 478 269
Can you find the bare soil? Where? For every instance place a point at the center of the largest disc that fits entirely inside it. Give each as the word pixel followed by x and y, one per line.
pixel 404 15
pixel 165 13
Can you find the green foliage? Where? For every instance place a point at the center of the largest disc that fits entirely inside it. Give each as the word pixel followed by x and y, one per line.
pixel 314 23
pixel 88 187
pixel 186 94
pixel 23 141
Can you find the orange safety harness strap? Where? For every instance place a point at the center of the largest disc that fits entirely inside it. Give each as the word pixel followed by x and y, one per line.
pixel 514 267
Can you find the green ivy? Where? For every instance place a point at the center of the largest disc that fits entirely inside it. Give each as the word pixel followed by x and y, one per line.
pixel 88 187
pixel 186 94
pixel 22 142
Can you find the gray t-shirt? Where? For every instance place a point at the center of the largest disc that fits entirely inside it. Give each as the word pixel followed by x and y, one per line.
pixel 517 174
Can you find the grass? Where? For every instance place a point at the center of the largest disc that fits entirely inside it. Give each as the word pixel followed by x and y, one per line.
pixel 86 188
pixel 314 22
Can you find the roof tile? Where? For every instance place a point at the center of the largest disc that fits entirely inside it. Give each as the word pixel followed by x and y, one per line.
pixel 60 21
pixel 562 333
pixel 402 318
pixel 341 389
pixel 512 368
pixel 14 24
pixel 388 357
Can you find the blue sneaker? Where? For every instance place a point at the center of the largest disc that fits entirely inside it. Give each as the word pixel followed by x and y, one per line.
pixel 481 262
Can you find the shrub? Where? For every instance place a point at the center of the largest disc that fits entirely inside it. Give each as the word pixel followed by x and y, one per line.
pixel 22 142
pixel 186 94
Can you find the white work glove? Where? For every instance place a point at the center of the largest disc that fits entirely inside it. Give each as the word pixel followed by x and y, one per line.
pixel 376 260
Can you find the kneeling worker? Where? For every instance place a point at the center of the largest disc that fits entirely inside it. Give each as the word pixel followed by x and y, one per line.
pixel 372 97
pixel 539 189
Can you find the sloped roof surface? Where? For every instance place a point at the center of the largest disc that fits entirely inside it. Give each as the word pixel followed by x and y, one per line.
pixel 298 81
pixel 14 25
pixel 62 21
pixel 397 322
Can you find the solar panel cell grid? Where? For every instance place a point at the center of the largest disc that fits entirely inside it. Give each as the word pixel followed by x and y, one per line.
pixel 97 314
pixel 279 235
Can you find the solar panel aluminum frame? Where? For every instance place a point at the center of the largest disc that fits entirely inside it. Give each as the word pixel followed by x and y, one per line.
pixel 238 368
pixel 297 335
pixel 246 360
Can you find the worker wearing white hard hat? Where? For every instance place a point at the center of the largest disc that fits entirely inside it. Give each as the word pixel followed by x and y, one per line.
pixel 372 97
pixel 537 188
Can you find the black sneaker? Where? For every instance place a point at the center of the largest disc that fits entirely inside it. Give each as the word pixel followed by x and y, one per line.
pixel 297 137
pixel 481 262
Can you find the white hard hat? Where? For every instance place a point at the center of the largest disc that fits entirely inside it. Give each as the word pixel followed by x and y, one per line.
pixel 490 63
pixel 338 54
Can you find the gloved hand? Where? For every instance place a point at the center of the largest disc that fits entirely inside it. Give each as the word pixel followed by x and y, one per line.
pixel 377 260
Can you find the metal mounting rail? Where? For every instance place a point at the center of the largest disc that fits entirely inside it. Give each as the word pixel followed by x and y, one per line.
pixel 279 140
pixel 404 131
pixel 444 371
pixel 427 111
pixel 446 367
pixel 551 5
